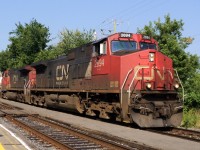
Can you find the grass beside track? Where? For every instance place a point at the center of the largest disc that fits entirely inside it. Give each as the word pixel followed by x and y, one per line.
pixel 191 118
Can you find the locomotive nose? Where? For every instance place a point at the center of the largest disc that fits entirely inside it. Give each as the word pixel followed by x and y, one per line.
pixel 162 71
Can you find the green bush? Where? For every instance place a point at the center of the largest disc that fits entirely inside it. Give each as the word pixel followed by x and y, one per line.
pixel 190 118
pixel 192 86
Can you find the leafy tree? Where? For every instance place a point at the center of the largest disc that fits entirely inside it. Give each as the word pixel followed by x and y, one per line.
pixel 192 89
pixel 71 39
pixel 47 54
pixel 26 42
pixel 169 36
pixel 4 60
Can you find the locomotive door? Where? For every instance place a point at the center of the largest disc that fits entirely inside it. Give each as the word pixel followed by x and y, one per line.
pixel 100 67
pixel 5 84
pixel 30 78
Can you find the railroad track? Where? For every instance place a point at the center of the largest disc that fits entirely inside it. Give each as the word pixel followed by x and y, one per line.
pixel 4 106
pixel 175 132
pixel 50 134
pixel 60 137
pixel 180 133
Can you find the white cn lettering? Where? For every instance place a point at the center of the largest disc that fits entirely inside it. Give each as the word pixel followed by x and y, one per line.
pixel 63 72
pixel 162 77
pixel 151 77
pixel 138 68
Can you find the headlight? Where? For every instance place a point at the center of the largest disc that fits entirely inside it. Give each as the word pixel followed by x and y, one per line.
pixel 176 85
pixel 148 85
pixel 151 57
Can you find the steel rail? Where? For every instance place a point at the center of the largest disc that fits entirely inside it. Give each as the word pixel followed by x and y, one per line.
pixel 180 133
pixel 102 142
pixel 44 137
pixel 6 106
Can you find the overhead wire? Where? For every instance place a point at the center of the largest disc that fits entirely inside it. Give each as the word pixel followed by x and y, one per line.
pixel 108 20
pixel 119 16
pixel 145 10
pixel 122 11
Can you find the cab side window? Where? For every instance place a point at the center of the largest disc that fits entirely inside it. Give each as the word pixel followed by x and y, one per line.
pixel 103 49
pixel 100 48
pixel 96 49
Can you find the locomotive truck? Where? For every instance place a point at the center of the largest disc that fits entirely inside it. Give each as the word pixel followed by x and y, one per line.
pixel 122 76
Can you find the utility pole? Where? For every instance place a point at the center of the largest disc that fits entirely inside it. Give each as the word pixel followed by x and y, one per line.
pixel 114 26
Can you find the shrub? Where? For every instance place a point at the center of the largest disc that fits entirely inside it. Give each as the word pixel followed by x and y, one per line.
pixel 191 118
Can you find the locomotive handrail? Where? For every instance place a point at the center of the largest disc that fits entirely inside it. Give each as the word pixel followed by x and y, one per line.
pixel 129 91
pixel 26 86
pixel 130 84
pixel 124 84
pixel 183 91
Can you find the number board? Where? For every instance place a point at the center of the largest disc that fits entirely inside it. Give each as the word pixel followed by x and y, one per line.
pixel 125 35
pixel 146 37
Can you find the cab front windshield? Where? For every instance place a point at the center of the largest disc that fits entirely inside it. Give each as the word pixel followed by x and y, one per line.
pixel 123 45
pixel 144 45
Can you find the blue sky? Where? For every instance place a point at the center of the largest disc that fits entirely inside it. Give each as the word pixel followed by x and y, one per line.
pixel 99 14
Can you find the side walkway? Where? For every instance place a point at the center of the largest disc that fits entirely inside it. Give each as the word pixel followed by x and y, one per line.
pixel 9 141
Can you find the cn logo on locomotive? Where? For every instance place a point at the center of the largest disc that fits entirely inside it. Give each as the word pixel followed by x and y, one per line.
pixel 151 77
pixel 62 72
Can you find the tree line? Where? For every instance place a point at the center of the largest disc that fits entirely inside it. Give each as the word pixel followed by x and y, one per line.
pixel 29 43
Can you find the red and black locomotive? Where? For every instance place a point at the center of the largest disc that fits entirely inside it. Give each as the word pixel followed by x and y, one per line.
pixel 122 76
